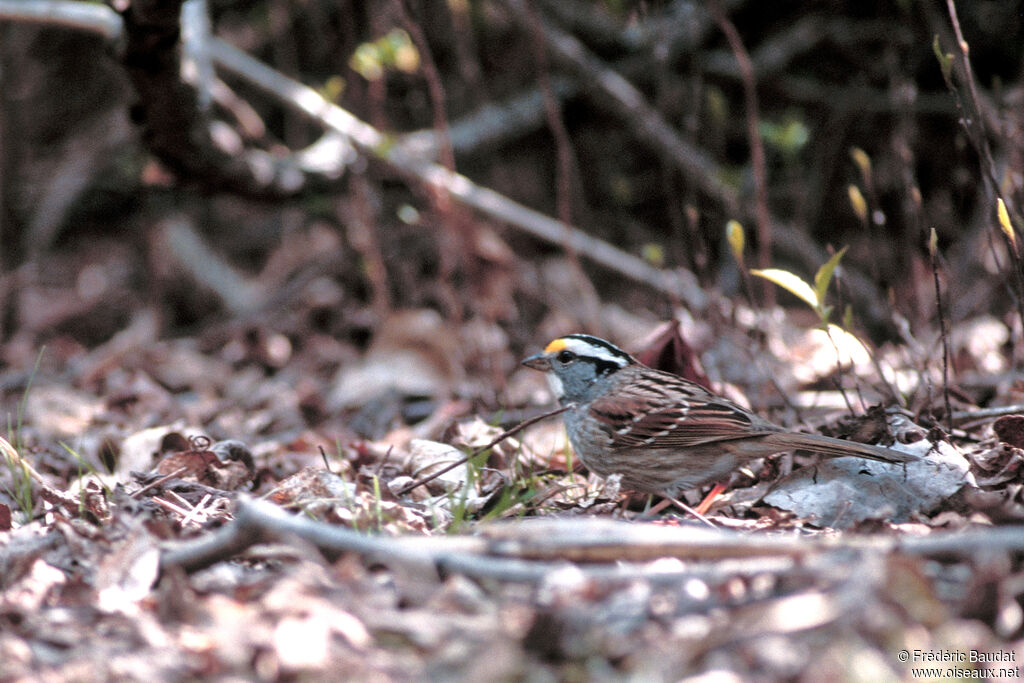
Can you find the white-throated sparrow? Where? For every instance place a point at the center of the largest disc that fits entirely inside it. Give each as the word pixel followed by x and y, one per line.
pixel 662 433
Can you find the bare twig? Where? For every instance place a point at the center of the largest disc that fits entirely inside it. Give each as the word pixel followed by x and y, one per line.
pixel 563 152
pixel 434 85
pixel 197 66
pixel 81 158
pixel 330 155
pixel 566 169
pixel 963 416
pixel 46 492
pixel 453 255
pixel 179 129
pixel 362 234
pixel 632 107
pixel 373 143
pixel 530 550
pixel 191 254
pixel 594 25
pixel 159 482
pixel 498 439
pixel 257 521
pixel 81 16
pixel 762 215
pixel 933 250
pixel 15 460
pixel 492 124
pixel 614 91
pixel 973 123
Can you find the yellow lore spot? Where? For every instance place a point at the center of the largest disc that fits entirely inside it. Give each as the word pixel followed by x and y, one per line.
pixel 555 345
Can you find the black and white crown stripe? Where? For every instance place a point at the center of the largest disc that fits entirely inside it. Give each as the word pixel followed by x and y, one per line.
pixel 604 357
pixel 593 347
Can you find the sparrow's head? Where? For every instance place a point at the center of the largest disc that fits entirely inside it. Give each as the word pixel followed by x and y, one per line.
pixel 577 363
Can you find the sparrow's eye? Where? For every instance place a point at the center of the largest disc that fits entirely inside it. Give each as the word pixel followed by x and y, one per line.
pixel 566 357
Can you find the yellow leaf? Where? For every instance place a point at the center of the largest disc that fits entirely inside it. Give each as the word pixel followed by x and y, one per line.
pixel 734 233
pixel 791 283
pixel 824 274
pixel 1004 222
pixel 863 161
pixel 654 254
pixel 857 201
pixel 945 58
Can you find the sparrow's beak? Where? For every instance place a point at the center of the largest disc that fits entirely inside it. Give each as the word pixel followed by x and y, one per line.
pixel 538 361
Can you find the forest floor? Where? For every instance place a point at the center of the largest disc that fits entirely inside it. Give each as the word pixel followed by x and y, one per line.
pixel 264 413
pixel 142 536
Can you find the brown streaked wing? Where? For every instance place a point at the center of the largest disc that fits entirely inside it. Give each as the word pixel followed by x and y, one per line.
pixel 676 414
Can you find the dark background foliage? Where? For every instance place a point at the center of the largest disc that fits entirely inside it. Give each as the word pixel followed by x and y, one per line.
pixel 831 77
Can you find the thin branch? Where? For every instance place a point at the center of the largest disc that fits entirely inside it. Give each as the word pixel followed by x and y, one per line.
pixel 196 31
pixel 650 127
pixel 81 16
pixel 631 106
pixel 159 482
pixel 329 156
pixel 974 124
pixel 975 127
pixel 590 309
pixel 498 439
pixel 192 254
pixel 563 151
pixel 963 416
pixel 495 124
pixel 184 137
pixel 492 125
pixel 933 251
pixel 530 550
pixel 458 228
pixel 14 459
pixel 435 87
pixel 370 141
pixel 762 216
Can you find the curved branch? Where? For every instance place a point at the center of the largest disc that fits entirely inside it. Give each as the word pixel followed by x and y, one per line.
pixel 368 140
pixel 176 126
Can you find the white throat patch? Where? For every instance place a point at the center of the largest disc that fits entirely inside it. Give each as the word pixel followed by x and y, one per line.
pixel 556 385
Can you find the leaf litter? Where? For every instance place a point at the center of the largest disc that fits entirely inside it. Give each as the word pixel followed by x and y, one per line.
pixel 148 554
